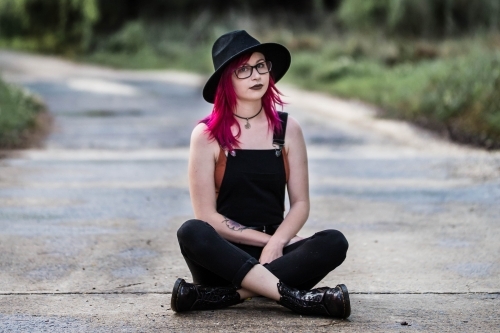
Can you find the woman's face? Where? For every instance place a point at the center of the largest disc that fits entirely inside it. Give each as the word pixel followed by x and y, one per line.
pixel 253 87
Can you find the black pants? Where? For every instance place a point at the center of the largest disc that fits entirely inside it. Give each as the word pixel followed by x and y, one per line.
pixel 214 261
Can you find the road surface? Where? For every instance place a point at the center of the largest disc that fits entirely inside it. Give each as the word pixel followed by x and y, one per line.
pixel 87 223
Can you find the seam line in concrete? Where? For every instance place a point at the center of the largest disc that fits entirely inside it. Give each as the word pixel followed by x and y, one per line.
pixel 427 293
pixel 168 293
pixel 88 293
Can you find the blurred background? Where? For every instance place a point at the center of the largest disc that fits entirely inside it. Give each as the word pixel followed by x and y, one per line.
pixel 435 63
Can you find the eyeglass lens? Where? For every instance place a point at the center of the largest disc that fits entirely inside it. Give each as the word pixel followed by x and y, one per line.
pixel 246 71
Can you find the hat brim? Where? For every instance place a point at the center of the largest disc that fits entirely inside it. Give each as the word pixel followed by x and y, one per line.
pixel 276 53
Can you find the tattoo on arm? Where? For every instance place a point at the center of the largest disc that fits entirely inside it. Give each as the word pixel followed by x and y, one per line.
pixel 233 225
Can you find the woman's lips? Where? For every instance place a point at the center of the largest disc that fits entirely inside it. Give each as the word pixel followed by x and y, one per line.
pixel 257 87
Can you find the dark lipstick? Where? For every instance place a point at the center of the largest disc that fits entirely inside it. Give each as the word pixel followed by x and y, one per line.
pixel 257 87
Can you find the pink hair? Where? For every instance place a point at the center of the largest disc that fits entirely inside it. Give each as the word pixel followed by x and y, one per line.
pixel 221 119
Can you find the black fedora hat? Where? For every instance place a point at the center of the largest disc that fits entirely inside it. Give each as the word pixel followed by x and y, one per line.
pixel 231 45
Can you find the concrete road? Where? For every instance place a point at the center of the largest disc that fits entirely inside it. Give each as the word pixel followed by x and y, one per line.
pixel 87 224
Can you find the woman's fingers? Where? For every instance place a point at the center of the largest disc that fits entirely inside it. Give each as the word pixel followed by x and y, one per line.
pixel 270 253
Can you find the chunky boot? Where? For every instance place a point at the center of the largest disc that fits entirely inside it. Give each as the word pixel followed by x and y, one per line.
pixel 332 302
pixel 189 297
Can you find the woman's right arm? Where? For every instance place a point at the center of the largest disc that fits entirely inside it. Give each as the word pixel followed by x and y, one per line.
pixel 202 158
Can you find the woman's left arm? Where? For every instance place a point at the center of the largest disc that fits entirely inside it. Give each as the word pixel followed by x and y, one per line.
pixel 298 193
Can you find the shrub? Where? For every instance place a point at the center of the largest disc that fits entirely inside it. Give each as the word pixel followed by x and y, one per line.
pixel 467 100
pixel 19 111
pixel 421 17
pixel 64 26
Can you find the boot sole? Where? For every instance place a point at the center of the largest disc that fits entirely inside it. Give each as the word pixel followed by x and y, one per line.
pixel 173 301
pixel 345 299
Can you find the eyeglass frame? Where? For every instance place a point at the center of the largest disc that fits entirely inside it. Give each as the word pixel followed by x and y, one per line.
pixel 268 63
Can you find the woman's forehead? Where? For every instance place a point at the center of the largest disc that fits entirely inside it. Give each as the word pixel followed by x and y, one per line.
pixel 256 56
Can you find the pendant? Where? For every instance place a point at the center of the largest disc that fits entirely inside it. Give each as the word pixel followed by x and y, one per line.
pixel 247 125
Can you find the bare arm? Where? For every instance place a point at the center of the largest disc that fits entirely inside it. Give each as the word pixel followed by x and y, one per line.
pixel 202 158
pixel 298 192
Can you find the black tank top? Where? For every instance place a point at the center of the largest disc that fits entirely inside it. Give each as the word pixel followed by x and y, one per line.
pixel 252 191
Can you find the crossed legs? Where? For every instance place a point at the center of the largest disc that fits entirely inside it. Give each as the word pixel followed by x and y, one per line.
pixel 213 261
pixel 220 268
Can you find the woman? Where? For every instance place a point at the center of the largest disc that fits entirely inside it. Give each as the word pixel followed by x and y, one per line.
pixel 242 156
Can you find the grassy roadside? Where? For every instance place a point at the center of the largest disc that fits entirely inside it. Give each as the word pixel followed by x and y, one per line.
pixel 449 86
pixel 457 95
pixel 23 118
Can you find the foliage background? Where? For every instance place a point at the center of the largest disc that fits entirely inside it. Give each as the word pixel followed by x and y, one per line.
pixel 432 62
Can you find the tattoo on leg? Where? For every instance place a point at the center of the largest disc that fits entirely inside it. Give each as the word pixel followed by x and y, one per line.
pixel 233 225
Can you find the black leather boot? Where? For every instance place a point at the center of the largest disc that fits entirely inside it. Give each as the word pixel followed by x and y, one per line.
pixel 332 302
pixel 189 297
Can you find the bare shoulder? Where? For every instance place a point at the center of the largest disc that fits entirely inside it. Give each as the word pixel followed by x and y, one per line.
pixel 200 132
pixel 200 135
pixel 293 126
pixel 201 141
pixel 293 131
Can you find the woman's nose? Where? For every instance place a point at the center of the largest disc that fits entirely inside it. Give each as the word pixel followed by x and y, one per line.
pixel 255 74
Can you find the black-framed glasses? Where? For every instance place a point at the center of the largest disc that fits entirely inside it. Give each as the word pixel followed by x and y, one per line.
pixel 246 71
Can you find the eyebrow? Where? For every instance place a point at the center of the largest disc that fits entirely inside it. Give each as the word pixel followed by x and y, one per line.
pixel 261 59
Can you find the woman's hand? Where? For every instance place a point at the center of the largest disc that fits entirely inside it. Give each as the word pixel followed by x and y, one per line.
pixel 273 251
pixel 270 252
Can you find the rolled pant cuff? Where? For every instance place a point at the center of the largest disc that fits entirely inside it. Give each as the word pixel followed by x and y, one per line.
pixel 243 271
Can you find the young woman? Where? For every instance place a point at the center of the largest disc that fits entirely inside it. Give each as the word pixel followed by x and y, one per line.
pixel 242 157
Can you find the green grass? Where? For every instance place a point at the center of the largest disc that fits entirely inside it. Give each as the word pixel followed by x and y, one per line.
pixel 398 89
pixel 19 116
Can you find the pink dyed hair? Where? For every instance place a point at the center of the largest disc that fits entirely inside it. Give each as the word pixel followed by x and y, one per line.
pixel 221 119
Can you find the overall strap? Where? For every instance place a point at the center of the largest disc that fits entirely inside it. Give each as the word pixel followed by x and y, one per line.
pixel 279 138
pixel 278 142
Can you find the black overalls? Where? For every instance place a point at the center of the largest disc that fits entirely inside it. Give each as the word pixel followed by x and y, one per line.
pixel 252 193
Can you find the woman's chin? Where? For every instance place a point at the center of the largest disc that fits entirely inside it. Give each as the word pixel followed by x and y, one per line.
pixel 253 96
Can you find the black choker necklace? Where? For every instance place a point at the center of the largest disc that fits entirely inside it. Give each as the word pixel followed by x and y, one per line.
pixel 247 125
